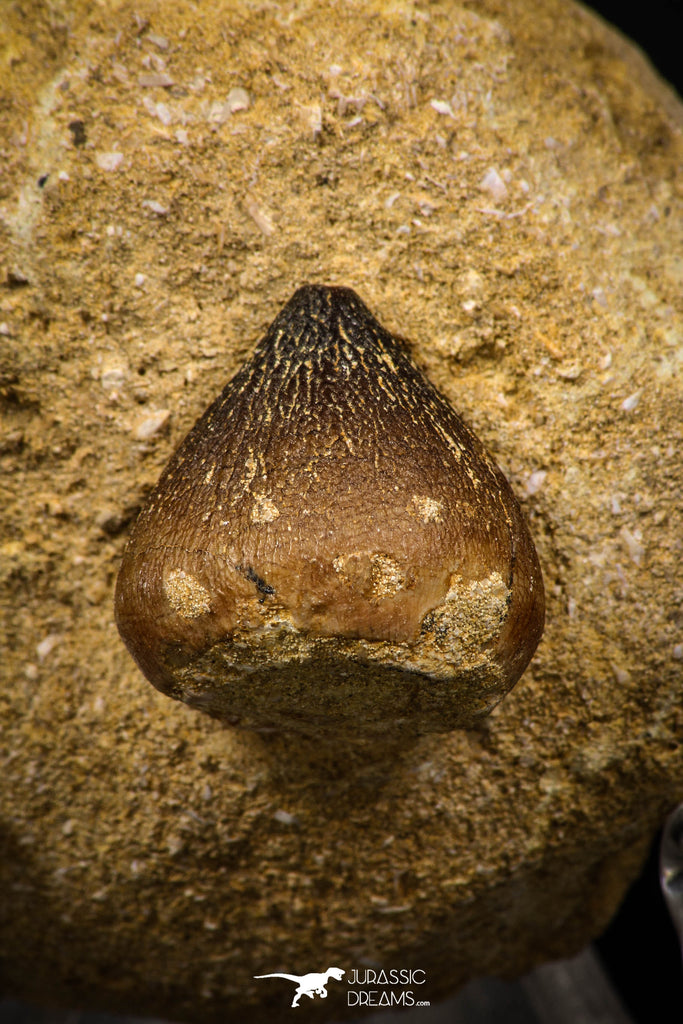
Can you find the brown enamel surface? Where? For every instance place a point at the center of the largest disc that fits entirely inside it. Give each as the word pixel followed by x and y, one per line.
pixel 329 489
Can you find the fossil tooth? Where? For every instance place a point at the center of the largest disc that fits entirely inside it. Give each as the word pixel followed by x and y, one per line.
pixel 331 547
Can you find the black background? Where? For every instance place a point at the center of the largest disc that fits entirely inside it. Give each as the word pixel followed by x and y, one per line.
pixel 657 28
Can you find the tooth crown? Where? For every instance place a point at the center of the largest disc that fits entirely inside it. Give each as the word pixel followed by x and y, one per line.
pixel 331 544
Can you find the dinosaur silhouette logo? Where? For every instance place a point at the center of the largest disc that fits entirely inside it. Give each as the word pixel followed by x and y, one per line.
pixel 309 984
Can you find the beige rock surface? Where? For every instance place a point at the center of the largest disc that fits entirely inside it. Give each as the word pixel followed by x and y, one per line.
pixel 501 183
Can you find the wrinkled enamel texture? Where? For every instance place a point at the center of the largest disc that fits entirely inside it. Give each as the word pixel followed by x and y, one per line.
pixel 331 547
